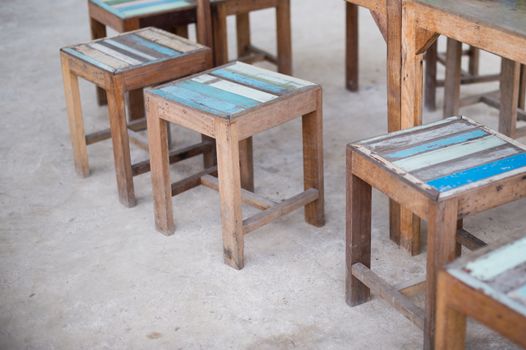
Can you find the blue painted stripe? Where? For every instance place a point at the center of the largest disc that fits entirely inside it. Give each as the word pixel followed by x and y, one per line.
pixel 197 100
pixel 520 293
pixel 478 173
pixel 429 146
pixel 250 81
pixel 154 46
pixel 146 5
pixel 131 50
pixel 108 8
pixel 89 59
pixel 219 94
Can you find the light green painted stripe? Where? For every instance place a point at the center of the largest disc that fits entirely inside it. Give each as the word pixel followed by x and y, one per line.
pixel 448 153
pixel 493 264
pixel 264 74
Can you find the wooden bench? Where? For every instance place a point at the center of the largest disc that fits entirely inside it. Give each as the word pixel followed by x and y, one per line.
pixel 230 104
pixel 488 286
pixel 441 172
pixel 117 65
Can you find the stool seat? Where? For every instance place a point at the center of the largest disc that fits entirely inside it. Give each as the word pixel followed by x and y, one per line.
pixel 232 90
pixel 133 50
pixel 448 157
pixel 499 274
pixel 488 286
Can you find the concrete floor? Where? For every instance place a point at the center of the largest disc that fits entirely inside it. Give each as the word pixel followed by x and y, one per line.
pixel 80 271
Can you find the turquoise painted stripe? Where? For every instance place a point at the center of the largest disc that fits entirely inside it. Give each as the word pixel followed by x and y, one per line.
pixel 243 79
pixel 429 146
pixel 493 264
pixel 108 8
pixel 89 59
pixel 452 152
pixel 154 46
pixel 138 6
pixel 520 293
pixel 198 101
pixel 219 94
pixel 478 173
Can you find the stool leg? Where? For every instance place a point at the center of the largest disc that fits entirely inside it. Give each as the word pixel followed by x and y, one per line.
pixel 522 88
pixel 452 81
pixel 160 172
pixel 220 35
pixel 181 30
pixel 509 96
pixel 474 60
pixel 312 128
pixel 451 324
pixel 136 104
pixel 230 193
pixel 98 30
pixel 431 77
pixel 75 121
pixel 441 249
pixel 351 47
pixel 243 34
pixel 209 158
pixel 284 37
pixel 121 146
pixel 246 163
pixel 358 234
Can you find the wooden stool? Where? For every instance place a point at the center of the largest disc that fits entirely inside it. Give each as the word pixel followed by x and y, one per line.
pixel 130 61
pixel 230 104
pixel 489 286
pixel 442 172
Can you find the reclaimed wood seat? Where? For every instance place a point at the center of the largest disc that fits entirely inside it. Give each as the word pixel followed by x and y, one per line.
pixel 119 64
pixel 230 104
pixel 441 172
pixel 488 286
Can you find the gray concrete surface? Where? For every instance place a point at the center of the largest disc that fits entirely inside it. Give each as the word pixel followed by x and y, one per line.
pixel 79 271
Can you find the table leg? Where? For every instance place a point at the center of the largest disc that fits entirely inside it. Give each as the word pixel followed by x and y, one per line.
pixel 509 96
pixel 351 47
pixel 452 81
pixel 430 93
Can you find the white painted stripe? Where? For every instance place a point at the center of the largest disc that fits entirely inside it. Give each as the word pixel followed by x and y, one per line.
pixel 280 79
pixel 242 90
pixel 449 153
pixel 172 41
pixel 496 262
pixel 101 57
pixel 130 49
pixel 204 78
pixel 115 54
pixel 406 131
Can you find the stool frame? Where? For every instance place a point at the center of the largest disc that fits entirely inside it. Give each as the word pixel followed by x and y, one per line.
pixel 115 85
pixel 443 212
pixel 228 133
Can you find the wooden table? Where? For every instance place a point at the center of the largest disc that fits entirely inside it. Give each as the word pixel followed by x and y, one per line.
pixel 388 16
pixel 495 26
